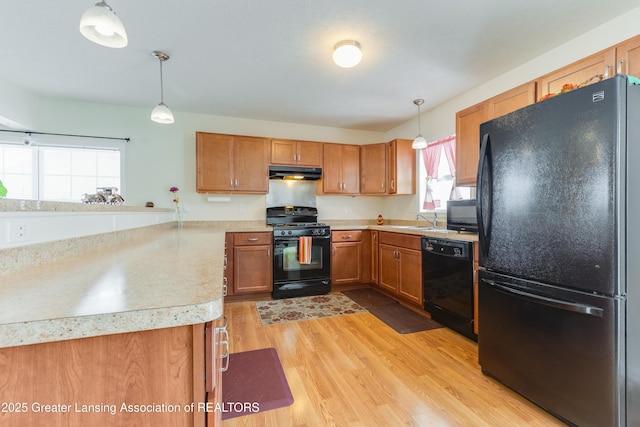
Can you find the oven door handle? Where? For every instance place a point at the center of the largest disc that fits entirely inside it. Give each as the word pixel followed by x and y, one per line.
pixel 295 239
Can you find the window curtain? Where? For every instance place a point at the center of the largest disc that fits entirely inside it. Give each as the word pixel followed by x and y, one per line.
pixel 449 148
pixel 431 158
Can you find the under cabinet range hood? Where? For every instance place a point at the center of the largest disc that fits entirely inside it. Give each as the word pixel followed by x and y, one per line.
pixel 294 172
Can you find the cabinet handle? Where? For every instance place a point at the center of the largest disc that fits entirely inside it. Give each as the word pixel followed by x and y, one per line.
pixel 224 286
pixel 224 340
pixel 393 184
pixel 333 250
pixel 606 71
pixel 252 239
pixel 236 182
pixel 268 253
pixel 375 237
pixel 225 262
pixel 619 70
pixel 231 183
pixel 346 236
pixel 382 185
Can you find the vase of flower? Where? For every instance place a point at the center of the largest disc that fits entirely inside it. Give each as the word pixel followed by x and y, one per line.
pixel 176 202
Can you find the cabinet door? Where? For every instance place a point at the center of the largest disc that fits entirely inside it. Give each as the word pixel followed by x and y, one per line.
pixel 578 72
pixel 628 57
pixel 345 263
pixel 374 257
pixel 310 154
pixel 402 167
pixel 410 275
pixel 351 169
pixel 283 152
pixel 373 172
pixel 332 170
pixel 388 268
pixel 512 100
pixel 214 158
pixel 252 269
pixel 468 142
pixel 251 164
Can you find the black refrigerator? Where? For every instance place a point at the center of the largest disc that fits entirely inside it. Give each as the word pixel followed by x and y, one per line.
pixel 558 210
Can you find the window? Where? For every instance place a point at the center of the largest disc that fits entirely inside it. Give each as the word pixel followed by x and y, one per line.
pixel 437 187
pixel 59 173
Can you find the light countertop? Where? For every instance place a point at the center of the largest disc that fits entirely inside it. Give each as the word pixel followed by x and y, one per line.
pixel 168 277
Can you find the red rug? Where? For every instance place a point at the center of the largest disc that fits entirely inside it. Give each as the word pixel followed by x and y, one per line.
pixel 254 382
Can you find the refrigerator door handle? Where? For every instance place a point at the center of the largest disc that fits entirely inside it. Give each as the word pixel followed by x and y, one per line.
pixel 485 233
pixel 550 302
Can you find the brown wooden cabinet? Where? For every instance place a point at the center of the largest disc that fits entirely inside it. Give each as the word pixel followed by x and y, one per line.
pixel 628 57
pixel 153 367
pixel 400 265
pixel 401 171
pixel 373 168
pixel 231 163
pixel 468 123
pixel 590 69
pixel 341 170
pixel 252 262
pixel 374 256
pixel 468 142
pixel 298 153
pixel 346 257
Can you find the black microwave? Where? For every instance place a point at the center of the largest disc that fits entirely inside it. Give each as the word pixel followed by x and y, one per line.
pixel 461 215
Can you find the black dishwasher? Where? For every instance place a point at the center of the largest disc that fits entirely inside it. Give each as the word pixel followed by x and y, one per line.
pixel 447 279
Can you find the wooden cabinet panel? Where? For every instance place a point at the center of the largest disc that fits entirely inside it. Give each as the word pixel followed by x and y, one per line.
pixel 252 269
pixel 214 162
pixel 373 169
pixel 401 167
pixel 137 368
pixel 346 264
pixel 512 100
pixel 374 256
pixel 468 142
pixel 341 170
pixel 346 256
pixel 298 153
pixel 400 265
pixel 410 275
pixel 578 72
pixel 628 57
pixel 251 262
pixel 231 163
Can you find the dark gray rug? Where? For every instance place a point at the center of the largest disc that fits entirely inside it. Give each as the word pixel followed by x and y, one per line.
pixel 395 315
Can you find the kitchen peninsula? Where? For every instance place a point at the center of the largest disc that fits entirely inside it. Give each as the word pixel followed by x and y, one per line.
pixel 118 329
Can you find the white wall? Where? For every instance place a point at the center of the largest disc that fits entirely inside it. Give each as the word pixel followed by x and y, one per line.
pixel 161 156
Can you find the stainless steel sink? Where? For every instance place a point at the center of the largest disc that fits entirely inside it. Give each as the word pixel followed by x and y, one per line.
pixel 427 228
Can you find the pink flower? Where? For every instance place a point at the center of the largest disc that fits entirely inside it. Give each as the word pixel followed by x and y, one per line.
pixel 173 189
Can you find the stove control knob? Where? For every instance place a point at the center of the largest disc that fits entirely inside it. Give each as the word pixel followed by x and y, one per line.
pixel 290 232
pixel 282 233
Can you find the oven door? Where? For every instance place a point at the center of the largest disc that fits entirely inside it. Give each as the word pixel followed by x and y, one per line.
pixel 286 260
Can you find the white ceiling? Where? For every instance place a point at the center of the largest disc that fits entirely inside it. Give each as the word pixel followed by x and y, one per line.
pixel 271 60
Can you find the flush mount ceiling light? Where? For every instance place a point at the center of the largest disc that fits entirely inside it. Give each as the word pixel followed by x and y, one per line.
pixel 162 113
pixel 100 24
pixel 419 142
pixel 347 53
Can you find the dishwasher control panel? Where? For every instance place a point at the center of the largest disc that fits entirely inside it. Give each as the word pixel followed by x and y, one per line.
pixel 446 247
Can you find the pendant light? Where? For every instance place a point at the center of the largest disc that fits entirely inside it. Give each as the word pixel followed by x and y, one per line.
pixel 100 24
pixel 419 142
pixel 162 113
pixel 347 53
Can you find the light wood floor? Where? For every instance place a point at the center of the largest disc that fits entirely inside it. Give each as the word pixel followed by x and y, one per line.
pixel 355 371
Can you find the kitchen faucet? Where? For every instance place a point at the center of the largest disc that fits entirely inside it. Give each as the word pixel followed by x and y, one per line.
pixel 434 221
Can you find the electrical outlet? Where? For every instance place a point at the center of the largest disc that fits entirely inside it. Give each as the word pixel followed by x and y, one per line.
pixel 19 233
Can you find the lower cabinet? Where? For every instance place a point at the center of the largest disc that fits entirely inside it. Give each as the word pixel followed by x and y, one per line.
pixel 400 265
pixel 252 262
pixel 216 362
pixel 144 378
pixel 346 257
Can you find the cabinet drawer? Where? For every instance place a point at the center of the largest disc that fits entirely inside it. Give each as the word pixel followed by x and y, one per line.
pixel 401 240
pixel 259 238
pixel 346 236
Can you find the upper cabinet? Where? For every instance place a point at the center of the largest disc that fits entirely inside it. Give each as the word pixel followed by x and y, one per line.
pixel 388 168
pixel 628 57
pixel 298 153
pixel 231 163
pixel 468 127
pixel 341 171
pixel 401 167
pixel 373 169
pixel 588 70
